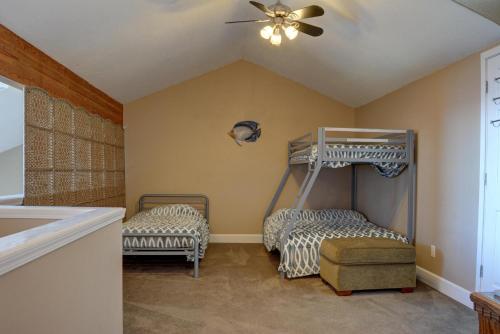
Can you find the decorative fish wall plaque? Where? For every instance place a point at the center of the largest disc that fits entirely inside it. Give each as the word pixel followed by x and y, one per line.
pixel 245 132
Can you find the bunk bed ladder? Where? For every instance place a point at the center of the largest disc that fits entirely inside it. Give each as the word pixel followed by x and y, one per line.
pixel 305 189
pixel 278 192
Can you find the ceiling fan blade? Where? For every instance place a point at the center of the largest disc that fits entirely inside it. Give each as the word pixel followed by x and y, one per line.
pixel 308 29
pixel 246 21
pixel 263 8
pixel 306 12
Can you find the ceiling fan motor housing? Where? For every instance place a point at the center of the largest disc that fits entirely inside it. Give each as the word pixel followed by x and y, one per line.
pixel 280 10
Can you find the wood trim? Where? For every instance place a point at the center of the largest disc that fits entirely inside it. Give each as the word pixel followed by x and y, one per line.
pixel 488 311
pixel 24 63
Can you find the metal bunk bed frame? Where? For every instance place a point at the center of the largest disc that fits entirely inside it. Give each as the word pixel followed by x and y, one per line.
pixel 148 201
pixel 305 142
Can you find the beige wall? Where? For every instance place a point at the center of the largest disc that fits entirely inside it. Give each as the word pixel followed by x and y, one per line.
pixel 76 289
pixel 176 142
pixel 444 109
pixel 11 171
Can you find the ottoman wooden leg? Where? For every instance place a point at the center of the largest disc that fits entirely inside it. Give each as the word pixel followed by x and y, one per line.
pixel 343 293
pixel 406 290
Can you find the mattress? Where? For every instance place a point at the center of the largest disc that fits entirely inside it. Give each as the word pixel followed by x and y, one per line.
pixel 301 252
pixel 387 169
pixel 171 219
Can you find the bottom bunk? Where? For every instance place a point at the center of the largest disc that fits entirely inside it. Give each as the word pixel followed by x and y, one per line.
pixel 301 252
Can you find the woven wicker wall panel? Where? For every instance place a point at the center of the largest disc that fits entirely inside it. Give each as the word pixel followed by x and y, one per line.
pixel 83 154
pixel 40 106
pixel 39 149
pixel 64 159
pixel 63 117
pixel 63 189
pixel 120 159
pixel 39 188
pixel 83 124
pixel 72 157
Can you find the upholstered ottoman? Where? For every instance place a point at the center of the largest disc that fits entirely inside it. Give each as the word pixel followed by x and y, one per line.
pixel 367 263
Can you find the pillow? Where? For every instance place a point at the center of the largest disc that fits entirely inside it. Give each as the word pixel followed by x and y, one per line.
pixel 175 210
pixel 318 215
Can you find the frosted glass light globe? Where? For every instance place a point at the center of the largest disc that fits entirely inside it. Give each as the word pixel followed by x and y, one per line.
pixel 266 32
pixel 291 32
pixel 276 38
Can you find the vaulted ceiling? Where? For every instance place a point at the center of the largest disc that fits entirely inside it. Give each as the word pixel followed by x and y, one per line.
pixel 131 48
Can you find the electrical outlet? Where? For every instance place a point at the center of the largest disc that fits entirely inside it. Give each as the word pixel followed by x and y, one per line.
pixel 433 251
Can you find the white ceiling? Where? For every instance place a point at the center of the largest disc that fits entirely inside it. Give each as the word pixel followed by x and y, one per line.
pixel 131 48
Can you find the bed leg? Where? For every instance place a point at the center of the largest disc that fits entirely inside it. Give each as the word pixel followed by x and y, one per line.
pixel 343 293
pixel 196 259
pixel 196 268
pixel 406 290
pixel 282 274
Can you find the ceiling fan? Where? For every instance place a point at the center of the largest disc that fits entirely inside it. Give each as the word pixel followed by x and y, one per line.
pixel 283 18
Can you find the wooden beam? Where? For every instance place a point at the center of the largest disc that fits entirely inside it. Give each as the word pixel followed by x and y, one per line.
pixel 24 63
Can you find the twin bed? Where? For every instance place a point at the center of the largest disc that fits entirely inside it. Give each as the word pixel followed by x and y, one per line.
pixel 169 225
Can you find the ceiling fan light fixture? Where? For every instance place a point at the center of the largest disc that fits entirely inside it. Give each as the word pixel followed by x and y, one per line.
pixel 291 32
pixel 276 37
pixel 266 32
pixel 282 19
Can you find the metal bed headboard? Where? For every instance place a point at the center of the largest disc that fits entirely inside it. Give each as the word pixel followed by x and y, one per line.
pixel 198 201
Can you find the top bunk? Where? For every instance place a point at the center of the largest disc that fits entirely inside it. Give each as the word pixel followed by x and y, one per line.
pixel 388 151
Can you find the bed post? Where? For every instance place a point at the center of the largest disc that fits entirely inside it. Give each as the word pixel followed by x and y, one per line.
pixel 412 172
pixel 354 188
pixel 196 257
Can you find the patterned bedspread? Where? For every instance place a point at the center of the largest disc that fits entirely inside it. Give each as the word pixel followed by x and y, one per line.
pixel 387 169
pixel 301 252
pixel 168 219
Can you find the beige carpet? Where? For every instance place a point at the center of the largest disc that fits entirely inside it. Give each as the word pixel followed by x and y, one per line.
pixel 239 291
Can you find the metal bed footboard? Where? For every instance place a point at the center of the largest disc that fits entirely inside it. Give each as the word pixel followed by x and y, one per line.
pixel 194 251
pixel 148 201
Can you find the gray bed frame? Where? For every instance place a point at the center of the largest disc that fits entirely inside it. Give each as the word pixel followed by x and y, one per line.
pixel 406 138
pixel 148 201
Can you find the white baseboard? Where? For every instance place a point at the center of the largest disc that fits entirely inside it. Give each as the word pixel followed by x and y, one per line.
pixel 236 238
pixel 444 286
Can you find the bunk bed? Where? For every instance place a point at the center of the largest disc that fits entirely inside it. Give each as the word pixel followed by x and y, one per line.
pixel 169 224
pixel 296 233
